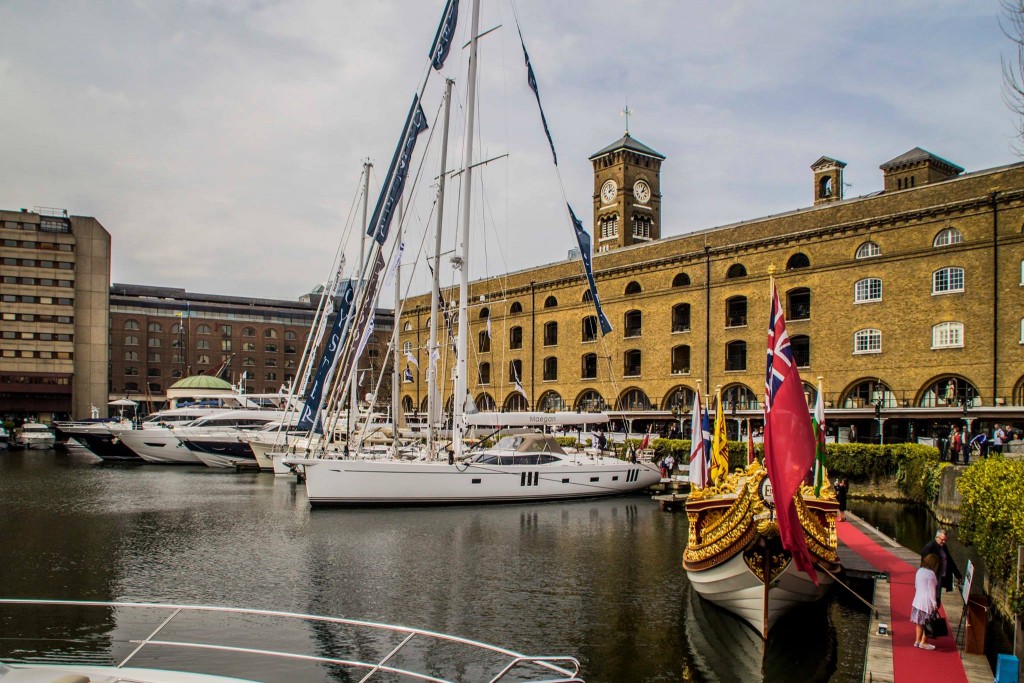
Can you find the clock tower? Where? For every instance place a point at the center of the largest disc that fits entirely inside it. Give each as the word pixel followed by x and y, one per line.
pixel 627 194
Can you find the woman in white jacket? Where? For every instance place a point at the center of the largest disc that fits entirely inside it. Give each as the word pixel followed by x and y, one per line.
pixel 925 605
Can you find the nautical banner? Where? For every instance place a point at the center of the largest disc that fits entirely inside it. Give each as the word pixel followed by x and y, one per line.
pixel 408 376
pixel 818 424
pixel 364 315
pixel 393 268
pixel 445 33
pixel 583 240
pixel 328 358
pixel 411 358
pixel 698 461
pixel 720 446
pixel 531 79
pixel 415 123
pixel 788 438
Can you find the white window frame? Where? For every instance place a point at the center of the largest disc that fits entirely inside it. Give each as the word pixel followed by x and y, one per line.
pixel 613 222
pixel 951 287
pixel 947 237
pixel 407 347
pixel 862 294
pixel 872 341
pixel 948 335
pixel 868 249
pixel 1022 330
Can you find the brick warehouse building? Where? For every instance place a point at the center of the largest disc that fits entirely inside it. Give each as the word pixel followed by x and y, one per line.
pixel 55 273
pixel 162 334
pixel 908 299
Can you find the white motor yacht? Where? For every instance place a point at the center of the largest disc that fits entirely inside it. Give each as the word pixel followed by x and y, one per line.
pixel 33 435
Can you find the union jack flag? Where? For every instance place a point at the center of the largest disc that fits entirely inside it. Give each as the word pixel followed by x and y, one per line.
pixel 700 444
pixel 780 355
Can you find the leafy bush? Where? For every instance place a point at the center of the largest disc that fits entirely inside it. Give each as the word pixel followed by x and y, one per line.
pixel 567 441
pixel 992 514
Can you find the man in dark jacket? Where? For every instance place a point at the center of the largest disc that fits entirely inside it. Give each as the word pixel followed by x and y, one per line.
pixel 948 568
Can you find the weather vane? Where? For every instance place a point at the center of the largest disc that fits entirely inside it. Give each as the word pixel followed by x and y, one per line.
pixel 626 112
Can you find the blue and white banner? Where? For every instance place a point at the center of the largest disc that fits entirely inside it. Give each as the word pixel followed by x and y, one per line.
pixel 408 376
pixel 531 80
pixel 393 268
pixel 415 123
pixel 583 240
pixel 328 358
pixel 445 33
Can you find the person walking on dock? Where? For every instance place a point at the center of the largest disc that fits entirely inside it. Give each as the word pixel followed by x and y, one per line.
pixel 925 603
pixel 842 488
pixel 947 567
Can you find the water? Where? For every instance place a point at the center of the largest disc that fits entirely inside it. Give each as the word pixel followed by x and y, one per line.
pixel 599 580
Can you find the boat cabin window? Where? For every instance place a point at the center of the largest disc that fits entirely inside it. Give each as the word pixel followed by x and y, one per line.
pixel 515 458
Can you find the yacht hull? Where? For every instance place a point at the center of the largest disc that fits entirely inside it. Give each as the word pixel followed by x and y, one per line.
pixel 391 482
pixel 159 446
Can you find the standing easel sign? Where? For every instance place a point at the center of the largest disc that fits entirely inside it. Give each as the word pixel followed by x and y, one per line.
pixel 965 590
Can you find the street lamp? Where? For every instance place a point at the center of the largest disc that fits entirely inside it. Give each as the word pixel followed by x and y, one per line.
pixel 881 420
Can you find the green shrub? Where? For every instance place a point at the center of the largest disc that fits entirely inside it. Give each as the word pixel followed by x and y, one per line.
pixel 567 441
pixel 992 514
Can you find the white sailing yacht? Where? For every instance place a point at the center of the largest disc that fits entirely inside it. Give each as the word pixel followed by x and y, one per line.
pixel 519 468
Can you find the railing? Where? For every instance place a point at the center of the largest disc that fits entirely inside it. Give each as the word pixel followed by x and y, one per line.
pixel 521 667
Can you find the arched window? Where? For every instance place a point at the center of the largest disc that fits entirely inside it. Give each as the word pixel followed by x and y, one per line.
pixel 203 360
pixel 798 304
pixel 550 302
pixel 634 399
pixel 131 324
pixel 131 355
pixel 249 346
pixel 589 401
pixel 631 366
pixel 736 270
pixel 948 335
pixel 131 371
pixel 176 328
pixel 798 260
pixel 153 342
pixel 270 333
pixel 131 340
pixel 949 390
pixel 486 403
pixel 825 187
pixel 484 341
pixel 681 318
pixel 587 296
pixel 515 371
pixel 867 250
pixel 868 289
pixel 589 325
pixel 609 226
pixel 203 329
pixel 589 366
pixel 407 347
pixel 800 344
pixel 681 280
pixel 947 237
pixel 739 397
pixel 678 400
pixel 948 280
pixel 633 288
pixel 248 332
pixel 515 402
pixel 867 341
pixel 155 327
pixel 515 338
pixel 485 313
pixel 485 374
pixel 290 335
pixel 407 327
pixel 642 226
pixel 550 402
pixel 270 377
pixel 633 324
pixel 550 333
pixel 248 362
pixel 681 360
pixel 203 344
pixel 550 369
pixel 407 404
pixel 736 356
pixel 736 311
pixel 270 348
pixel 516 308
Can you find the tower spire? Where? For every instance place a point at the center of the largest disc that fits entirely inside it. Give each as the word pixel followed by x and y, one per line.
pixel 626 112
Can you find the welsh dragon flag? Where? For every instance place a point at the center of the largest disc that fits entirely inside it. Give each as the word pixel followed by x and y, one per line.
pixel 818 423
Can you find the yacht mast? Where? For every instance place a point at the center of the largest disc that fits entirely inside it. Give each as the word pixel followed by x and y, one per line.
pixel 353 399
pixel 462 261
pixel 396 375
pixel 432 347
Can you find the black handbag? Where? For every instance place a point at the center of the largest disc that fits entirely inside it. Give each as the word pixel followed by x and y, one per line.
pixel 936 627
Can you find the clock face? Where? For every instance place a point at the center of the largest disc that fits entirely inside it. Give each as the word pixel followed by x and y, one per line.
pixel 608 191
pixel 642 192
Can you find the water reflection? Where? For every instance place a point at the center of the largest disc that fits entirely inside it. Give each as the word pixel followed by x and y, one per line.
pixel 600 580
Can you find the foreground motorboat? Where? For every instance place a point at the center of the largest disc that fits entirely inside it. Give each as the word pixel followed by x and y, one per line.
pixel 33 435
pixel 734 557
pixel 116 642
pixel 519 468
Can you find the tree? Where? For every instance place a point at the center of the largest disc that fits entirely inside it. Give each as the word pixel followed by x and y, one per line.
pixel 1012 25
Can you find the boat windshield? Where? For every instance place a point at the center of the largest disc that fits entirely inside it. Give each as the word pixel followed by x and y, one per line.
pixel 509 443
pixel 516 459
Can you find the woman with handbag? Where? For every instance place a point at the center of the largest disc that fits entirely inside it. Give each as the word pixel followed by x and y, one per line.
pixel 925 583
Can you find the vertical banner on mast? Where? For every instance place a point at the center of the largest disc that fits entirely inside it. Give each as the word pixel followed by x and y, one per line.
pixel 445 32
pixel 583 240
pixel 384 211
pixel 364 318
pixel 328 359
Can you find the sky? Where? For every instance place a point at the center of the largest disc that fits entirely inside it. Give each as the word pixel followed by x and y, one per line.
pixel 221 142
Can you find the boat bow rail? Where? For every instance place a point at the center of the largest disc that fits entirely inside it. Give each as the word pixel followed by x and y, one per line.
pixel 402 648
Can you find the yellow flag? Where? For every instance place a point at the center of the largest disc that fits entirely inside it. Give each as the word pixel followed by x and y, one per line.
pixel 719 447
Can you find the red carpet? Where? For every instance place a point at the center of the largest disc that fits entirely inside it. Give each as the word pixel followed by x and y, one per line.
pixel 909 663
